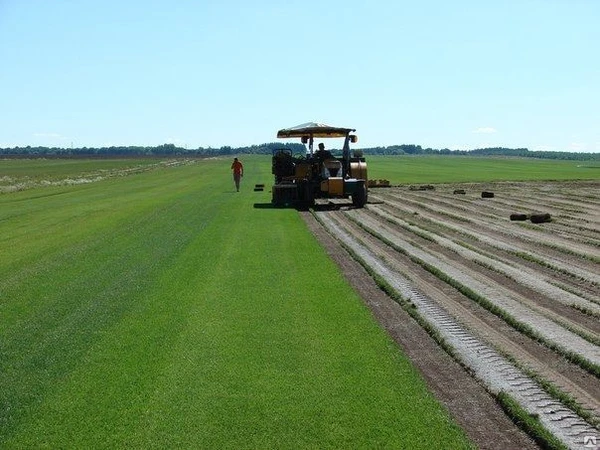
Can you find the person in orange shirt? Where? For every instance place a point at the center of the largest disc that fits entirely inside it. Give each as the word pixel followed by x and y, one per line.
pixel 238 172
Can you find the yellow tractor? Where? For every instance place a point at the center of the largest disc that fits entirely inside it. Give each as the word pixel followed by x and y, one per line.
pixel 300 179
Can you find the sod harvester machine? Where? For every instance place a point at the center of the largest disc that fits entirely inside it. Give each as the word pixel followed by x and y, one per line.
pixel 300 179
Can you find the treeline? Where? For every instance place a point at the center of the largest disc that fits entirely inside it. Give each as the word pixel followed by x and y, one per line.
pixel 159 150
pixel 171 150
pixel 409 149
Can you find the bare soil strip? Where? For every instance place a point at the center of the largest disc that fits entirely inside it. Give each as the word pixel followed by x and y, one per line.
pixel 445 256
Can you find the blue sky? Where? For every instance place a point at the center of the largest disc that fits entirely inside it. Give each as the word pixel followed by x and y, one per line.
pixel 441 74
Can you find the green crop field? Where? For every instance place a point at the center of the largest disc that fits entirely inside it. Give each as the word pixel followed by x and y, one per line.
pixel 459 169
pixel 147 305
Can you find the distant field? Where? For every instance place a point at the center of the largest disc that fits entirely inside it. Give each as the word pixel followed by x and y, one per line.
pixel 18 174
pixel 37 167
pixel 449 169
pixel 397 169
pixel 147 304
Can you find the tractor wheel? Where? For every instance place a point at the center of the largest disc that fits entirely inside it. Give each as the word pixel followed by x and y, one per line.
pixel 359 198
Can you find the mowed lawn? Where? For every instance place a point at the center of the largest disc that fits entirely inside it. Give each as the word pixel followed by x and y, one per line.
pixel 465 169
pixel 163 310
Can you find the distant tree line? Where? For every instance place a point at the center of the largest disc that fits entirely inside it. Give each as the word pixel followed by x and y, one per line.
pixel 410 149
pixel 159 150
pixel 171 150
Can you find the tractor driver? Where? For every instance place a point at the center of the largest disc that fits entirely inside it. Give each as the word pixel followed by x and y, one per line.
pixel 329 165
pixel 323 154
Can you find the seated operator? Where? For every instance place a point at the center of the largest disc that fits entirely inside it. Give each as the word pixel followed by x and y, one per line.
pixel 323 154
pixel 331 166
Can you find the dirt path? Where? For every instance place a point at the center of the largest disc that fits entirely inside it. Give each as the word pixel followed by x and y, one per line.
pixel 518 303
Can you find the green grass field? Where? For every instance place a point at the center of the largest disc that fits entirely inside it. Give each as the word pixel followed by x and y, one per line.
pixel 59 168
pixel 163 310
pixel 459 169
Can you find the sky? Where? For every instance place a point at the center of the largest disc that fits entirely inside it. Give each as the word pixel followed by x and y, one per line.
pixel 459 74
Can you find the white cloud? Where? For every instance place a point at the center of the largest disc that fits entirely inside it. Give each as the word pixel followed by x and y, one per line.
pixel 485 130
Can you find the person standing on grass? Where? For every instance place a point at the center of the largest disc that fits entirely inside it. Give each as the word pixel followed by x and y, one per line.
pixel 238 172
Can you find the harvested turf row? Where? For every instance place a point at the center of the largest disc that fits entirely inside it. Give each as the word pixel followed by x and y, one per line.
pixel 480 219
pixel 572 319
pixel 534 279
pixel 499 210
pixel 501 301
pixel 555 271
pixel 509 239
pixel 569 379
pixel 518 273
pixel 494 371
pixel 567 276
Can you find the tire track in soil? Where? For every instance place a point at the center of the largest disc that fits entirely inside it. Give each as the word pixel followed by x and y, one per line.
pixel 478 356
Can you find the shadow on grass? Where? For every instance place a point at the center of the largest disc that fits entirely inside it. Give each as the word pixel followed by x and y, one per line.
pixel 318 207
pixel 323 207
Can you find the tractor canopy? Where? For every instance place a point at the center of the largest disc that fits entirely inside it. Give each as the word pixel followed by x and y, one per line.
pixel 314 130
